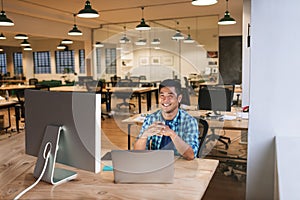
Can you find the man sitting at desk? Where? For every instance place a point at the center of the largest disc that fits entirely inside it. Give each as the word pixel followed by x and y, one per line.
pixel 170 127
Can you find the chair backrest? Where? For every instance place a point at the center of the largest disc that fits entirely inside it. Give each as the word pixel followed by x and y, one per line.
pixel 186 82
pixel 135 81
pixel 143 77
pixel 185 97
pixel 203 129
pixel 33 81
pixel 114 80
pixel 91 86
pixel 124 83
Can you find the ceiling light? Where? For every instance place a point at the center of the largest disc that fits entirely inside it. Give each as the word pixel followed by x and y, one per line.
pixel 178 36
pixel 124 39
pixel 2 37
pixel 25 43
pixel 143 26
pixel 99 44
pixel 88 12
pixel 67 41
pixel 21 37
pixel 1 49
pixel 27 48
pixel 204 2
pixel 189 39
pixel 141 42
pixel 155 41
pixel 61 46
pixel 75 31
pixel 227 20
pixel 4 21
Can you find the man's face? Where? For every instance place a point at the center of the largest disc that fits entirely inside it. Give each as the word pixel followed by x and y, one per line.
pixel 169 100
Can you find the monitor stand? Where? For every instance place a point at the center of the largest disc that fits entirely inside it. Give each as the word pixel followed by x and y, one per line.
pixel 50 143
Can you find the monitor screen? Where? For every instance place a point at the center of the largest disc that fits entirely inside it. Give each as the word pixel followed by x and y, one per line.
pixel 78 115
pixel 83 79
pixel 214 98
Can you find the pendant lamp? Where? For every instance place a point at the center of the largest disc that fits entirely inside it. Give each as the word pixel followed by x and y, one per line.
pixel 204 2
pixel 88 12
pixel 227 20
pixel 4 21
pixel 75 31
pixel 99 44
pixel 189 39
pixel 2 37
pixel 143 26
pixel 67 41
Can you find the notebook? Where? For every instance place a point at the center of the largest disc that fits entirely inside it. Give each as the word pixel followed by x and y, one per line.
pixel 133 166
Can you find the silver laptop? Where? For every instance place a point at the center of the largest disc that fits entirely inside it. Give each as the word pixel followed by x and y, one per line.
pixel 143 166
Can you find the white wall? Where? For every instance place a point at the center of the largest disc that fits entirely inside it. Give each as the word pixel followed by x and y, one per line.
pixel 274 80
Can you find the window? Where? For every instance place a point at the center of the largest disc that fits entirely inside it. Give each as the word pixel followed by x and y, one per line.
pixel 18 63
pixel 81 61
pixel 98 60
pixel 64 61
pixel 3 63
pixel 41 62
pixel 110 60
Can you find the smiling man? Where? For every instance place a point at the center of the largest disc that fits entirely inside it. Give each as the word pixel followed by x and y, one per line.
pixel 170 127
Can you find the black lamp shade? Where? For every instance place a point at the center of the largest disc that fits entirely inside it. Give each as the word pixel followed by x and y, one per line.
pixel 227 20
pixel 143 26
pixel 88 12
pixel 4 21
pixel 75 31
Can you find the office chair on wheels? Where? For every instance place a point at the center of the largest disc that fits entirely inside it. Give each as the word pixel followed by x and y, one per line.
pixel 125 93
pixel 203 129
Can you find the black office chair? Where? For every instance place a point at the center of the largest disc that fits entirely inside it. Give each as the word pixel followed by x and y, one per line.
pixel 33 81
pixel 203 129
pixel 135 81
pixel 97 87
pixel 188 86
pixel 185 97
pixel 114 80
pixel 124 93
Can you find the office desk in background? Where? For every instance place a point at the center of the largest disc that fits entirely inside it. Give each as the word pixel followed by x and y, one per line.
pixel 191 179
pixel 139 91
pixel 8 105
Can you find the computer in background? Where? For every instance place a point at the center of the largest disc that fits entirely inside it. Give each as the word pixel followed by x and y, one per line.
pixel 143 166
pixel 67 125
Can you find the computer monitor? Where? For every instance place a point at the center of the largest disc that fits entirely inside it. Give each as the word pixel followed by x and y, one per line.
pixel 83 79
pixel 70 124
pixel 214 99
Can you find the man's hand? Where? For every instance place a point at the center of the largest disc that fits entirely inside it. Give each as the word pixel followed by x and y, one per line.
pixel 154 129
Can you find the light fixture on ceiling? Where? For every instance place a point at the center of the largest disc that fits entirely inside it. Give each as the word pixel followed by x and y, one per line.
pixel 2 37
pixel 177 35
pixel 155 41
pixel 4 21
pixel 227 20
pixel 189 39
pixel 204 2
pixel 61 47
pixel 99 44
pixel 142 26
pixel 25 43
pixel 75 31
pixel 141 42
pixel 1 49
pixel 27 48
pixel 124 39
pixel 88 12
pixel 67 41
pixel 21 37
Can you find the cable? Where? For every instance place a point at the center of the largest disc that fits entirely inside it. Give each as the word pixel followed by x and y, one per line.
pixel 42 173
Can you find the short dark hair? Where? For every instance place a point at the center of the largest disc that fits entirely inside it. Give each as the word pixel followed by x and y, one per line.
pixel 171 83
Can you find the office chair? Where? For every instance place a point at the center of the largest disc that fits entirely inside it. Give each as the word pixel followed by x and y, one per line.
pixel 124 93
pixel 203 129
pixel 185 97
pixel 188 86
pixel 135 81
pixel 114 80
pixel 33 81
pixel 97 87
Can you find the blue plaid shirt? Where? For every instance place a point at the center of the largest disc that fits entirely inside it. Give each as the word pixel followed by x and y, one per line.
pixel 184 125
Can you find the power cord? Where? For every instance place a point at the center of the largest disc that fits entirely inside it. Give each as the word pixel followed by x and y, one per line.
pixel 46 157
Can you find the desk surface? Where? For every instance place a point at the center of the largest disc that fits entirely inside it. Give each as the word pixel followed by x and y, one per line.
pixel 111 89
pixel 233 124
pixel 16 87
pixel 190 181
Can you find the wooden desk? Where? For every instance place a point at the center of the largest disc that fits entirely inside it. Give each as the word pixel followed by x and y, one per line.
pixel 110 90
pixel 191 179
pixel 8 105
pixel 213 123
pixel 16 87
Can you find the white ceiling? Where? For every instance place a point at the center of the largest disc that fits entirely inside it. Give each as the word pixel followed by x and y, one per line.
pixel 120 12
